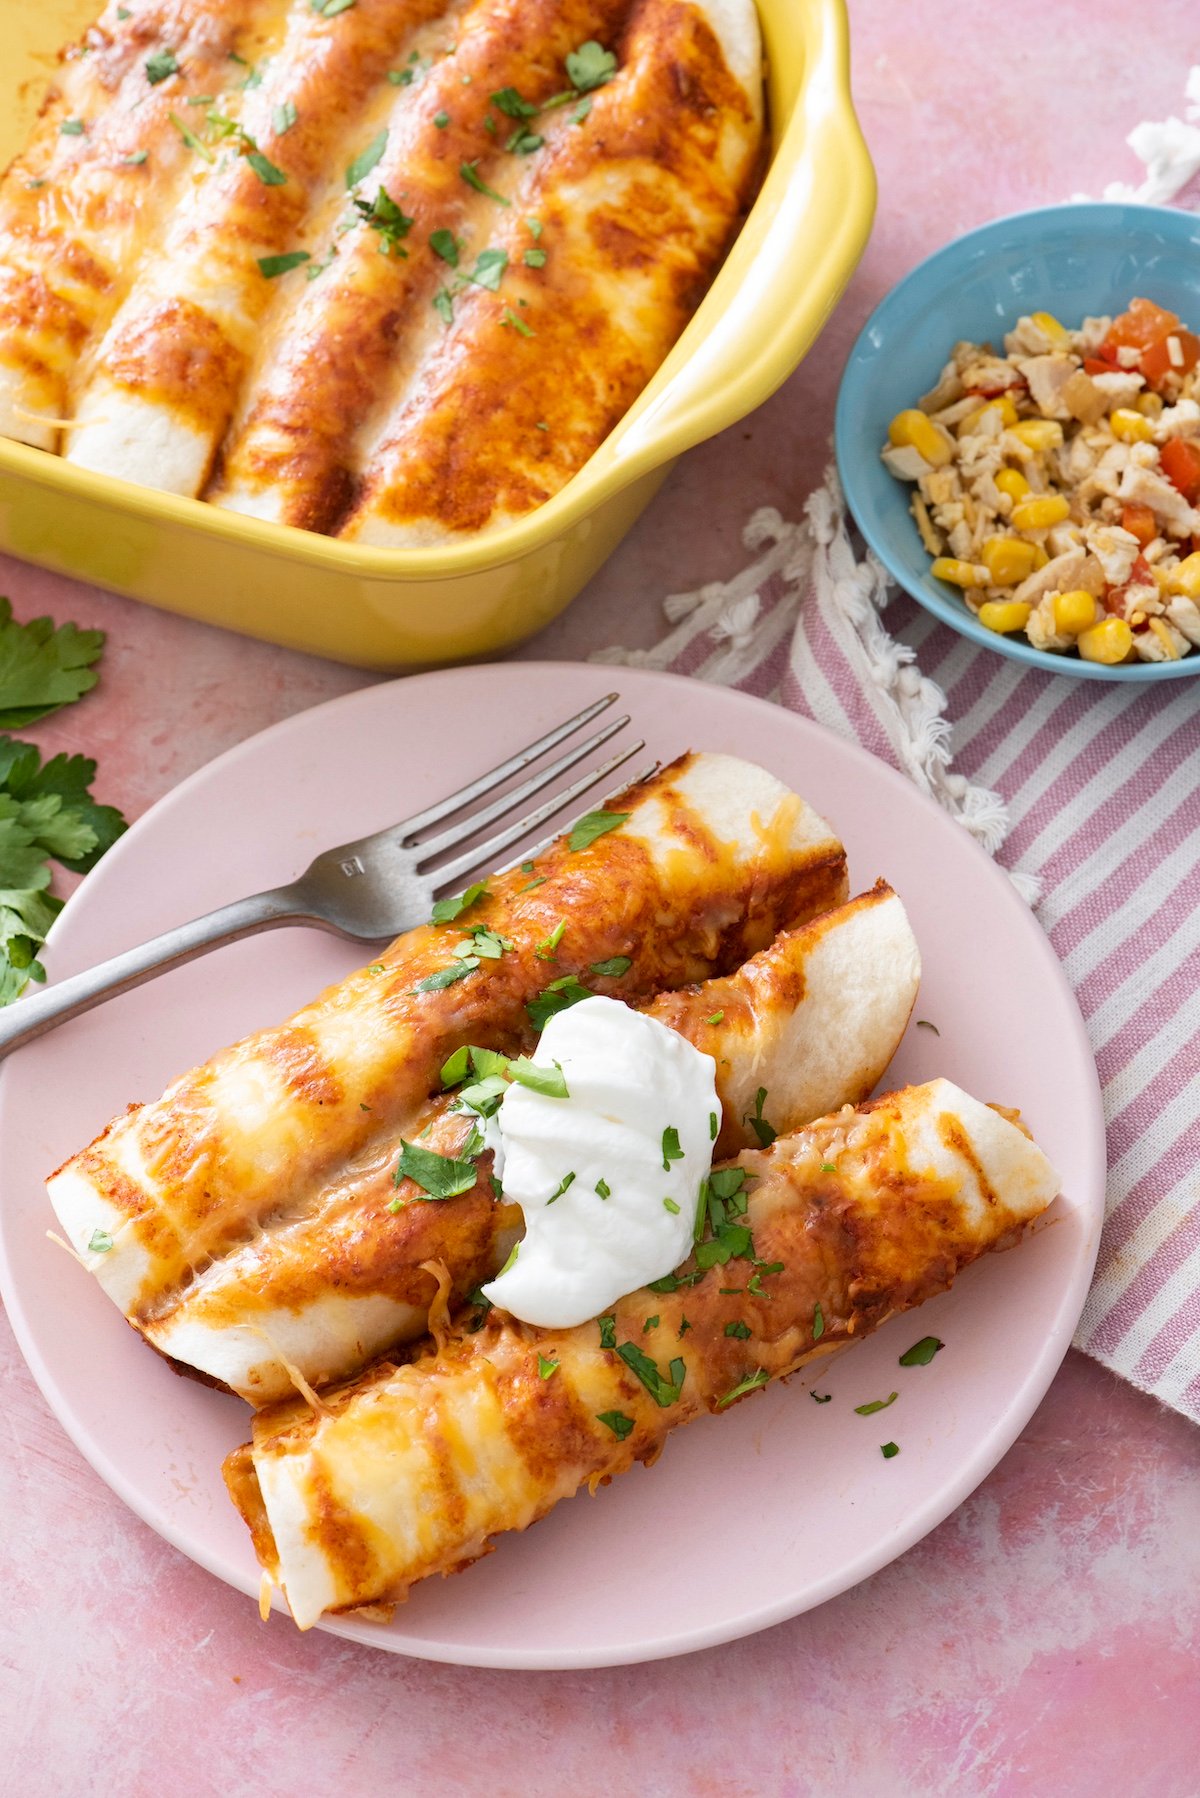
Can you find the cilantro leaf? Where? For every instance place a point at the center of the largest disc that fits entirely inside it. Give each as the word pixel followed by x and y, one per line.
pixel 617 1422
pixel 730 1241
pixel 613 968
pixel 876 1404
pixel 470 174
pixel 42 668
pixel 590 66
pixel 593 825
pixel 438 1176
pixel 671 1150
pixel 766 1133
pixel 549 1081
pixel 888 1450
pixel 443 243
pixel 392 223
pixel 921 1353
pixel 100 1242
pixel 159 65
pixel 270 266
pixel 758 1378
pixel 489 267
pixel 458 970
pixel 265 169
pixel 366 160
pixel 546 1367
pixel 739 1329
pixel 455 1068
pixel 608 1332
pixel 283 117
pixel 663 1392
pixel 446 910
pixel 510 102
pixel 557 997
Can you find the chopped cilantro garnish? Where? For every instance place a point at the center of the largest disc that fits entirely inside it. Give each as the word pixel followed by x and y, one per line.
pixel 888 1449
pixel 284 116
pixel 193 143
pixel 470 174
pixel 758 1378
pixel 455 1068
pixel 546 1367
pixel 510 102
pixel 438 1176
pixel 446 910
pixel 159 65
pixel 821 1398
pixel 593 825
pixel 673 1282
pixel 876 1404
pixel 557 997
pixel 617 1422
pixel 135 160
pixel 581 111
pixel 366 160
pixel 818 1323
pixel 731 1241
pixel 608 1332
pixel 613 968
pixel 484 1097
pixel 100 1242
pixel 671 1150
pixel 827 1167
pixel 713 1126
pixel 486 943
pixel 535 227
pixel 401 77
pixel 122 12
pixel 604 1189
pixel 391 222
pixel 265 169
pixel 458 970
pixel 739 1329
pixel 715 1017
pixel 651 1323
pixel 766 1133
pixel 509 317
pixel 671 1206
pixel 482 1307
pixel 550 1082
pixel 684 1324
pixel 534 259
pixel 329 9
pixel 443 305
pixel 489 267
pixel 567 1180
pixel 523 143
pixel 921 1353
pixel 663 1392
pixel 443 243
pixel 441 120
pixel 545 949
pixel 754 1284
pixel 590 66
pixel 270 266
pixel 71 128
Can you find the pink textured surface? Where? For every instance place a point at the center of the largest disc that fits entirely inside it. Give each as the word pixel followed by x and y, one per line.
pixel 1045 1638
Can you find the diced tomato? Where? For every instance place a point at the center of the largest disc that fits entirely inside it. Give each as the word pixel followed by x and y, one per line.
pixel 1096 365
pixel 1181 465
pixel 1143 324
pixel 1115 599
pixel 1138 520
pixel 1156 359
pixel 993 393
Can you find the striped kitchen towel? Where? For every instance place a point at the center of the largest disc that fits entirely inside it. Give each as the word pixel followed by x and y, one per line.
pixel 1088 793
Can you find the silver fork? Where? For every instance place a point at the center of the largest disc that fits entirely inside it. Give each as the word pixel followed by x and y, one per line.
pixel 368 890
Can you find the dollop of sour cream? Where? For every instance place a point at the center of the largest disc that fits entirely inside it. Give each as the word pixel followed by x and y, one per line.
pixel 607 1177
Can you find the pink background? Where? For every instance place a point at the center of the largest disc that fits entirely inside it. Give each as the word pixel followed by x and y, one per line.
pixel 1045 1638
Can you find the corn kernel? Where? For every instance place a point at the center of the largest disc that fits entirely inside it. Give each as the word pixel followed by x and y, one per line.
pixel 1004 615
pixel 1003 404
pixel 1012 482
pixel 959 574
pixel 1130 426
pixel 1007 559
pixel 1049 327
pixel 1038 433
pixel 1149 404
pixel 1161 577
pixel 1185 578
pixel 1040 558
pixel 1109 642
pixel 1039 513
pixel 913 428
pixel 1074 612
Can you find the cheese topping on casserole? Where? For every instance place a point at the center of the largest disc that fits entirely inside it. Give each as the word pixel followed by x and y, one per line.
pixel 391 270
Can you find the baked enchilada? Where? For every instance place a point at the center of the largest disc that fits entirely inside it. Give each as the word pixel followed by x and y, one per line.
pixel 391 269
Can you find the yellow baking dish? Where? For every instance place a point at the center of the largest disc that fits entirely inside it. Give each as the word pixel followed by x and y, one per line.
pixel 391 608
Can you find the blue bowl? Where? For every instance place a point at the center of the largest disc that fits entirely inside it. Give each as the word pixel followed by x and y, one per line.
pixel 1069 260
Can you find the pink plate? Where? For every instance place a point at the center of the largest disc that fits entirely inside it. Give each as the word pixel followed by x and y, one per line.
pixel 747 1519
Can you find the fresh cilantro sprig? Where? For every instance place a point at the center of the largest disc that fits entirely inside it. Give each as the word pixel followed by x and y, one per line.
pixel 42 667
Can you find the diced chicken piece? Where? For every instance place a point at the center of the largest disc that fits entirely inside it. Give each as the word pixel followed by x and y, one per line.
pixel 991 374
pixel 1184 614
pixel 949 416
pixel 1059 575
pixel 1120 388
pixel 906 463
pixel 1136 602
pixel 1116 551
pixel 940 486
pixel 1027 339
pixel 1081 458
pixel 1063 538
pixel 989 496
pixel 1108 473
pixel 985 428
pixel 946 391
pixel 1092 333
pixel 1047 377
pixel 1040 627
pixel 1177 421
pixel 1083 399
pixel 1146 487
pixel 962 542
pixel 1160 642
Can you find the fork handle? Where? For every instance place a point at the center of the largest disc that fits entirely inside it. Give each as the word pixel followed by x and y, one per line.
pixel 42 1010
